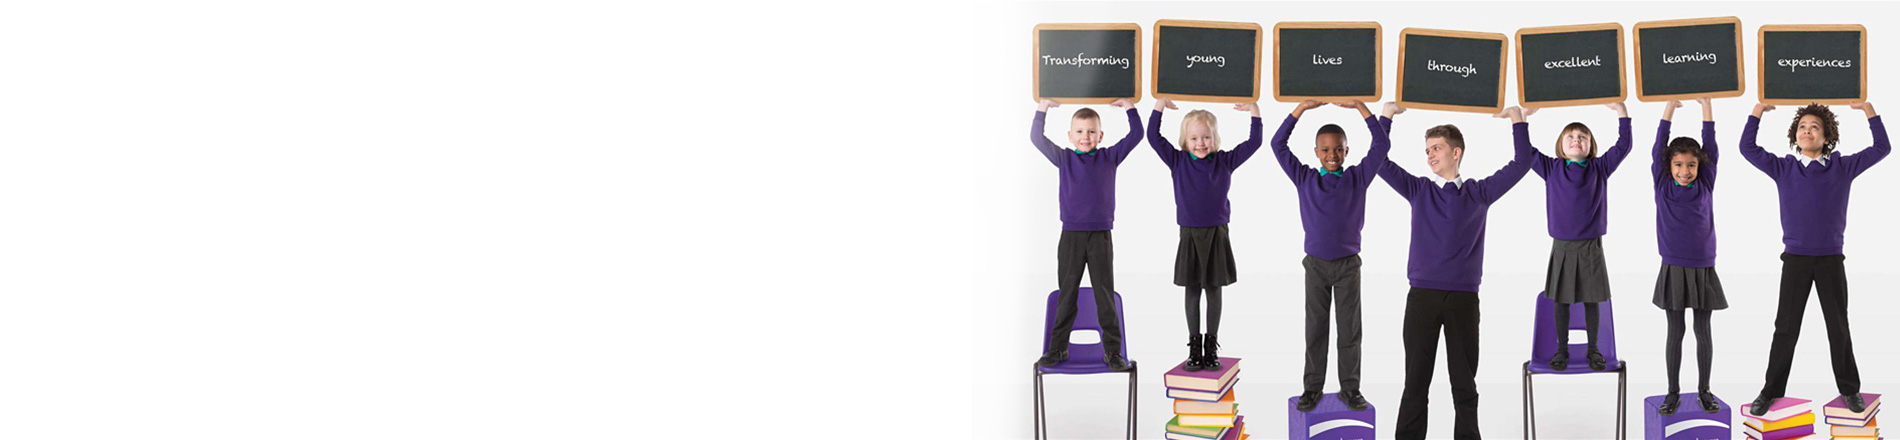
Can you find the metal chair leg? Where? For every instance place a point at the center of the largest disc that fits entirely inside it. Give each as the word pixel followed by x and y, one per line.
pixel 1622 398
pixel 1524 389
pixel 1530 410
pixel 1039 431
pixel 1131 402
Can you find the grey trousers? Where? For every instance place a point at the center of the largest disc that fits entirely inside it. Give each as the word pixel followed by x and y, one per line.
pixel 1330 282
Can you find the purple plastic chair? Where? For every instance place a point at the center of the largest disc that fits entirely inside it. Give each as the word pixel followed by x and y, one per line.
pixel 1083 358
pixel 1544 346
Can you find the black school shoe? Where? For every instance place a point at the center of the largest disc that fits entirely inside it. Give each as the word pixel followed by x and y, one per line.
pixel 1596 361
pixel 1209 359
pixel 1194 354
pixel 1308 401
pixel 1708 402
pixel 1854 403
pixel 1354 400
pixel 1116 363
pixel 1669 404
pixel 1760 406
pixel 1561 360
pixel 1052 358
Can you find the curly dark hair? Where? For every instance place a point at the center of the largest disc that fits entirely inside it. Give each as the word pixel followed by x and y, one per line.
pixel 1685 145
pixel 1830 128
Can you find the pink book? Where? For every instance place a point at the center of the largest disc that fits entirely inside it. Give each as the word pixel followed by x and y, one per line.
pixel 1783 408
pixel 1204 380
pixel 1240 424
pixel 1837 408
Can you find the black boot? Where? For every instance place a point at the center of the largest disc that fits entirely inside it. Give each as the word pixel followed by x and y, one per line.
pixel 1194 353
pixel 1597 362
pixel 1308 400
pixel 1116 362
pixel 1708 402
pixel 1562 360
pixel 1760 406
pixel 1669 404
pixel 1052 358
pixel 1209 359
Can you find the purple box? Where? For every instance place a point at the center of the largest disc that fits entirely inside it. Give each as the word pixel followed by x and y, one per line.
pixel 1331 420
pixel 1689 422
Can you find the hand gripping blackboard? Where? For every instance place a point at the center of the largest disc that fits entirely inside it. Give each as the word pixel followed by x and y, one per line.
pixel 1086 63
pixel 1209 61
pixel 1820 64
pixel 1328 61
pixel 1688 59
pixel 1561 66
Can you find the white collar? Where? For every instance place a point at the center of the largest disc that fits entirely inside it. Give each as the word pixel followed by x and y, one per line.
pixel 1805 160
pixel 1440 181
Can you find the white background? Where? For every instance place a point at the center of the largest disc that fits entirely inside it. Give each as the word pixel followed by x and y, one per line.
pixel 1016 236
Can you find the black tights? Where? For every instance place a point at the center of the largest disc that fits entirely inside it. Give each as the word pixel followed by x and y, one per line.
pixel 1704 350
pixel 1194 310
pixel 1563 325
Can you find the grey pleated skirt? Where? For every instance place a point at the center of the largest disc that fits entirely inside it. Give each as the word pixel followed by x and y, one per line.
pixel 1206 258
pixel 1577 273
pixel 1697 288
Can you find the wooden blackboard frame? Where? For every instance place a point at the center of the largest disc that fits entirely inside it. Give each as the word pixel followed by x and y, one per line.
pixel 1378 48
pixel 1504 51
pixel 1035 59
pixel 1154 50
pixel 1761 62
pixel 1636 32
pixel 1622 60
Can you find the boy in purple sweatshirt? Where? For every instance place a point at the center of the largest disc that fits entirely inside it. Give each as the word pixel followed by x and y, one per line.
pixel 1087 199
pixel 1445 266
pixel 1205 259
pixel 1332 212
pixel 1683 175
pixel 1576 204
pixel 1813 186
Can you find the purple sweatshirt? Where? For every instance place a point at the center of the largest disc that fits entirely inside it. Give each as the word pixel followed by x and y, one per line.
pixel 1088 179
pixel 1685 215
pixel 1200 185
pixel 1576 201
pixel 1448 221
pixel 1332 205
pixel 1814 197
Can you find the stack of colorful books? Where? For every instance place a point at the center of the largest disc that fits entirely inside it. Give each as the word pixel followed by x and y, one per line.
pixel 1204 407
pixel 1848 425
pixel 1788 419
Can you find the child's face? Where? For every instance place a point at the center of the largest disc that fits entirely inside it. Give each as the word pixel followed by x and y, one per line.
pixel 1808 134
pixel 1200 140
pixel 1085 133
pixel 1576 144
pixel 1329 150
pixel 1442 157
pixel 1683 168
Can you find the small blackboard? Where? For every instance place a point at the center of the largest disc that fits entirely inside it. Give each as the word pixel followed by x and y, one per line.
pixel 1560 66
pixel 1452 70
pixel 1211 61
pixel 1822 64
pixel 1688 59
pixel 1327 61
pixel 1078 63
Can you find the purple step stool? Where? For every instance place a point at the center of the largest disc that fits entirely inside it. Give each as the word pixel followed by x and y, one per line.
pixel 1688 423
pixel 1331 420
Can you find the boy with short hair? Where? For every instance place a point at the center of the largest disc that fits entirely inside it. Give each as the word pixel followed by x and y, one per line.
pixel 1087 201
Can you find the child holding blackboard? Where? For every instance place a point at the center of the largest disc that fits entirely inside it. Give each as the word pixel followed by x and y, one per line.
pixel 1087 201
pixel 1332 213
pixel 1202 173
pixel 1683 175
pixel 1813 186
pixel 1445 266
pixel 1576 200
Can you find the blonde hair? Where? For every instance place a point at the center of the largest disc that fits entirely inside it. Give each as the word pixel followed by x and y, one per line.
pixel 1204 117
pixel 1578 127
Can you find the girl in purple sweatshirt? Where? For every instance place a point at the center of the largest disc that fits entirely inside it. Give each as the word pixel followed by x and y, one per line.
pixel 1205 259
pixel 1682 173
pixel 1813 185
pixel 1576 202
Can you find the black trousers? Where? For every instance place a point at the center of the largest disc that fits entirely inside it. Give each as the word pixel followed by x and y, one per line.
pixel 1426 312
pixel 1096 251
pixel 1828 277
pixel 1329 282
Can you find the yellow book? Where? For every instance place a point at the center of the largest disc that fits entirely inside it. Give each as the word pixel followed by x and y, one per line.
pixel 1806 418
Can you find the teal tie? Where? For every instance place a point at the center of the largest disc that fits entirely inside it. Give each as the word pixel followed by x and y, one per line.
pixel 1577 163
pixel 1090 153
pixel 1690 185
pixel 1324 173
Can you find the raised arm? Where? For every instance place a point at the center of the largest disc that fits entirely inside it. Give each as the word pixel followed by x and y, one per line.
pixel 1538 161
pixel 1381 139
pixel 1124 147
pixel 1753 152
pixel 1283 153
pixel 1252 144
pixel 1500 182
pixel 1613 159
pixel 1161 146
pixel 1866 158
pixel 1659 165
pixel 1039 140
